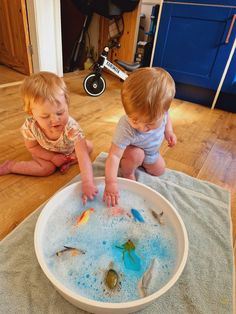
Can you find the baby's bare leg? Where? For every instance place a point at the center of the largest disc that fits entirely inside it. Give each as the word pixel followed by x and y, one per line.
pixel 36 167
pixel 132 158
pixel 156 169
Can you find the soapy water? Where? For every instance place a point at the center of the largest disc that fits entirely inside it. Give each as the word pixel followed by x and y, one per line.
pixel 99 242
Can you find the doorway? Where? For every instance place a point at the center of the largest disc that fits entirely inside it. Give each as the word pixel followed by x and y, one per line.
pixel 15 52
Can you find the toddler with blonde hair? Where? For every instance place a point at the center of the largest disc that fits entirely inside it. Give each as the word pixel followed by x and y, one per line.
pixel 51 135
pixel 146 97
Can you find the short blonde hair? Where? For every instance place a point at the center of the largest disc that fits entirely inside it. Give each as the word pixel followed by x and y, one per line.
pixel 40 87
pixel 148 92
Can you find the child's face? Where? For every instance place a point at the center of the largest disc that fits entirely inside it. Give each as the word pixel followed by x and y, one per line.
pixel 51 117
pixel 144 125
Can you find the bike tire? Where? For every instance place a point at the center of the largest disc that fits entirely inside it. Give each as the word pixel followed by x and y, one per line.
pixel 94 86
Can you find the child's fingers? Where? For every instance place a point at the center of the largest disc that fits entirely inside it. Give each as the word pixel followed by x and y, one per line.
pixel 84 198
pixel 107 199
pixel 171 142
pixel 114 200
pixel 89 195
pixel 95 191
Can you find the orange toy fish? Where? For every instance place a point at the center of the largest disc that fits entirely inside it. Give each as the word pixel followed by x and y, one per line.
pixel 84 217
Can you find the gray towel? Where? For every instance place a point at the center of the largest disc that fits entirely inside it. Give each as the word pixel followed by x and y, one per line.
pixel 206 285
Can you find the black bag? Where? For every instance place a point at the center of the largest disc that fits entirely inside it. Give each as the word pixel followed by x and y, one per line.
pixel 126 5
pixel 90 6
pixel 107 8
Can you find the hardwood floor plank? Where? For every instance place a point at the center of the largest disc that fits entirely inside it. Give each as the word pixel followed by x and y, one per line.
pixel 220 168
pixel 9 77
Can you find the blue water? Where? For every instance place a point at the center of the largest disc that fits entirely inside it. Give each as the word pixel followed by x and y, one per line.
pixel 100 238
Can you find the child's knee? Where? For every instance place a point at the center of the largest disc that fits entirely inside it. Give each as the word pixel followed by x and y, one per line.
pixel 157 172
pixel 156 169
pixel 134 155
pixel 138 156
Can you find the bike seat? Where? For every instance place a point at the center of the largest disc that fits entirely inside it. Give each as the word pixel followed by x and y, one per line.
pixel 128 66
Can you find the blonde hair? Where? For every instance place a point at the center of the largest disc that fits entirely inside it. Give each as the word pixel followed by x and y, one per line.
pixel 147 92
pixel 40 87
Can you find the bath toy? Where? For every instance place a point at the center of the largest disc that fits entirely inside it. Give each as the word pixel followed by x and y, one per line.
pixel 127 247
pixel 131 260
pixel 117 211
pixel 72 250
pixel 136 214
pixel 145 280
pixel 111 279
pixel 158 216
pixel 84 217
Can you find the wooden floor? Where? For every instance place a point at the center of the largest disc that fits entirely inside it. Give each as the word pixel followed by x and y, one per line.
pixel 9 77
pixel 206 147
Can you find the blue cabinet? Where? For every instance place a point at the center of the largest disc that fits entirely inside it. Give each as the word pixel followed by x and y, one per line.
pixel 191 45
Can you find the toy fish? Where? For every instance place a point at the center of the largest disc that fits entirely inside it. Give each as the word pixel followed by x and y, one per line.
pixel 131 259
pixel 136 214
pixel 126 247
pixel 117 211
pixel 145 280
pixel 111 278
pixel 159 217
pixel 72 250
pixel 84 217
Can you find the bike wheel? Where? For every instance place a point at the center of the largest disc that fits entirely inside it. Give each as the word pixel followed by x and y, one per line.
pixel 94 86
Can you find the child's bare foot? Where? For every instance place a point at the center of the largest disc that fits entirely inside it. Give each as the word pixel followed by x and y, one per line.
pixel 64 168
pixel 5 168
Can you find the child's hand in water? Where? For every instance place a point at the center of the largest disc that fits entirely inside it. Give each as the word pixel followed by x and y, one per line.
pixel 111 194
pixel 89 190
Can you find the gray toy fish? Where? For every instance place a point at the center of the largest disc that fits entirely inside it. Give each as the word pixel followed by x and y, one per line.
pixel 158 216
pixel 72 250
pixel 145 280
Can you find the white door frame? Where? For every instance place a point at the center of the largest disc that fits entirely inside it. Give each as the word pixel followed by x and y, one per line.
pixel 44 17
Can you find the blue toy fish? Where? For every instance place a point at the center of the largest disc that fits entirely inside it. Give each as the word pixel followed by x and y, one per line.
pixel 136 214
